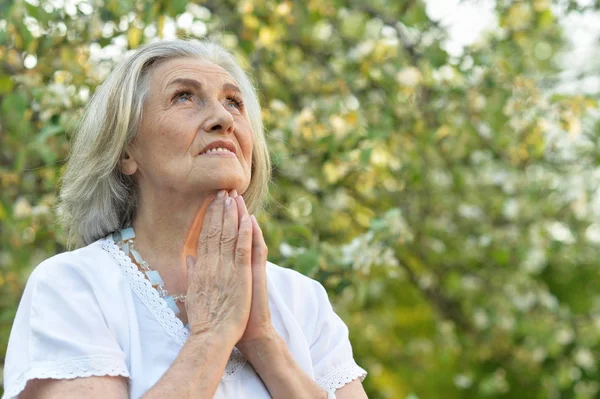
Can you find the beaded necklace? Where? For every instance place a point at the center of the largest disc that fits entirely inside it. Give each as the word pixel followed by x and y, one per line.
pixel 125 241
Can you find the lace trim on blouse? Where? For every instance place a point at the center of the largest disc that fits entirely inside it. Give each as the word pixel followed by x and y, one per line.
pixel 159 308
pixel 341 375
pixel 67 369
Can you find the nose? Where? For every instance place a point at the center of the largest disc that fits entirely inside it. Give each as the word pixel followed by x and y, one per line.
pixel 219 121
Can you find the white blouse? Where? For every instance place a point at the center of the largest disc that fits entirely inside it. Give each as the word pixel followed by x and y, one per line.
pixel 90 312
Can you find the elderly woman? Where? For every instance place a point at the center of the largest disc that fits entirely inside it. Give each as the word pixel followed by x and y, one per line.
pixel 175 127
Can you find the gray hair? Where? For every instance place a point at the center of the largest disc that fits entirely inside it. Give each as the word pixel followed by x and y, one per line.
pixel 96 198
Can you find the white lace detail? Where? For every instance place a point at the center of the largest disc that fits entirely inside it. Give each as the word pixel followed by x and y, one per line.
pixel 148 295
pixel 68 369
pixel 341 375
pixel 159 308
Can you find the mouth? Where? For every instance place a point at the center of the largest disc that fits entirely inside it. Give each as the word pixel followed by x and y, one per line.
pixel 220 148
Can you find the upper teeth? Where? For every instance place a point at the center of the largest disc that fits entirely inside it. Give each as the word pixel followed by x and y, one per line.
pixel 217 149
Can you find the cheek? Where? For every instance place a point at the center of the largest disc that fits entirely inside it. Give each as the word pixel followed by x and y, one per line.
pixel 248 154
pixel 169 133
pixel 245 140
pixel 250 148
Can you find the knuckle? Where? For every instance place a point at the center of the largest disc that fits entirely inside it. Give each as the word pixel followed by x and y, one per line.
pixel 202 249
pixel 213 232
pixel 245 237
pixel 261 250
pixel 242 252
pixel 228 240
pixel 201 242
pixel 247 228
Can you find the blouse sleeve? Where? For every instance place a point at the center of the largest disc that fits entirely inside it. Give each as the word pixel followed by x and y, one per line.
pixel 330 348
pixel 60 331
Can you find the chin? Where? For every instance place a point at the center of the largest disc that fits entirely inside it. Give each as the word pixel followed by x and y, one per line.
pixel 237 183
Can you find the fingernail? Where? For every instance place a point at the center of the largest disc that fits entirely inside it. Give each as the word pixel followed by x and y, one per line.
pixel 234 193
pixel 245 219
pixel 221 194
pixel 228 202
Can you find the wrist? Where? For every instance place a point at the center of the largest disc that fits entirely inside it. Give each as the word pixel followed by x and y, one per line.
pixel 263 350
pixel 212 339
pixel 277 368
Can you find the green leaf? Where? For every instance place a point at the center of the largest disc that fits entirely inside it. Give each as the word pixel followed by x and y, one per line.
pixel 35 12
pixel 49 131
pixel 177 7
pixel 307 263
pixel 365 156
pixel 13 110
pixel 6 84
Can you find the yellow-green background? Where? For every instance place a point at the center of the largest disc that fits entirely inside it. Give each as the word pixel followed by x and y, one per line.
pixel 448 203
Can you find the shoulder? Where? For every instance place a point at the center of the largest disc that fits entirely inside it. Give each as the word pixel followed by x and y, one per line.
pixel 291 281
pixel 84 267
pixel 83 287
pixel 71 321
pixel 305 297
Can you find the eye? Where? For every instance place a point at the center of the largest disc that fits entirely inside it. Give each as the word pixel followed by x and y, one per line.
pixel 235 101
pixel 182 96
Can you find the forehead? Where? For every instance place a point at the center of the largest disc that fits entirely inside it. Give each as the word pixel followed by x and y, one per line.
pixel 189 67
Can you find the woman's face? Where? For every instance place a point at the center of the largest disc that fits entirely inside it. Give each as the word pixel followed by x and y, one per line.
pixel 192 105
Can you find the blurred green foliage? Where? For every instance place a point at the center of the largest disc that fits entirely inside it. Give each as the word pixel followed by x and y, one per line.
pixel 448 203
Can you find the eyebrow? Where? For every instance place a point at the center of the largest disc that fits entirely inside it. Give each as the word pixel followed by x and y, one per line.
pixel 232 87
pixel 185 82
pixel 197 85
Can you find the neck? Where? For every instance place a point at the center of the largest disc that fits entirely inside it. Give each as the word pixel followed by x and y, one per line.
pixel 167 228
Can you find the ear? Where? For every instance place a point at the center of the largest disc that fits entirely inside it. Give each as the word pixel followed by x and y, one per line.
pixel 128 164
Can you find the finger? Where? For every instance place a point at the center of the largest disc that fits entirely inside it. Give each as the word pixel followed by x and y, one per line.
pixel 202 250
pixel 259 247
pixel 191 245
pixel 259 272
pixel 243 250
pixel 204 222
pixel 260 251
pixel 212 234
pixel 241 204
pixel 230 228
pixel 233 193
pixel 207 221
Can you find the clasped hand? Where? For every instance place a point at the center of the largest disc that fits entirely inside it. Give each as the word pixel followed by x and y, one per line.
pixel 227 284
